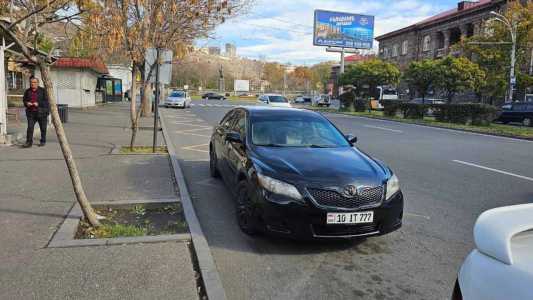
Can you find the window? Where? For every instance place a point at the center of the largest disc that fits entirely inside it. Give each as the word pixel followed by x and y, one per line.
pixel 427 43
pixel 227 120
pixel 395 50
pixel 386 53
pixel 405 47
pixel 240 125
pixel 277 99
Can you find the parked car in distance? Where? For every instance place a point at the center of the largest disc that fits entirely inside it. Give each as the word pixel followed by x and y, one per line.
pixel 178 98
pixel 299 99
pixel 322 100
pixel 520 112
pixel 308 98
pixel 269 158
pixel 427 101
pixel 274 100
pixel 214 96
pixel 501 266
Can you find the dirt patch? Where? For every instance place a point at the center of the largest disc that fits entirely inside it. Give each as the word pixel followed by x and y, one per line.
pixel 143 150
pixel 135 220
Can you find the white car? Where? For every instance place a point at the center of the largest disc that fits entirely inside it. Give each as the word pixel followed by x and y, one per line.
pixel 274 100
pixel 299 100
pixel 322 100
pixel 502 265
pixel 178 98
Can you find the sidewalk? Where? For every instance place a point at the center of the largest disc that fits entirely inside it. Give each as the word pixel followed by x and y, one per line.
pixel 36 193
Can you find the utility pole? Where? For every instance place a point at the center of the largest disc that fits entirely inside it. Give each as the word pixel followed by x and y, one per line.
pixel 156 102
pixel 511 25
pixel 342 60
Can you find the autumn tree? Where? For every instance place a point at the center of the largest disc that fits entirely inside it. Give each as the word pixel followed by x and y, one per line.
pixel 22 25
pixel 491 49
pixel 367 76
pixel 456 75
pixel 134 26
pixel 321 74
pixel 273 73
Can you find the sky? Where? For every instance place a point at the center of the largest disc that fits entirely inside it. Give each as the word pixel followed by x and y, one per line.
pixel 282 30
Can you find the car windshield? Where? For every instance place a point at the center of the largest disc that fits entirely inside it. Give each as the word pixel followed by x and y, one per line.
pixel 277 99
pixel 177 94
pixel 296 132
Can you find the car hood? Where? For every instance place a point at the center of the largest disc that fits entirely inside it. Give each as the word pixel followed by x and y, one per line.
pixel 320 166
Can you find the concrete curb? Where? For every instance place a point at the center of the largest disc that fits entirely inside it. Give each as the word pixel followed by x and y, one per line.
pixel 64 236
pixel 212 282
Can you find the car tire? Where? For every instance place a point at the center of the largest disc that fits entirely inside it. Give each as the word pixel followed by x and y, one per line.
pixel 245 217
pixel 527 122
pixel 213 169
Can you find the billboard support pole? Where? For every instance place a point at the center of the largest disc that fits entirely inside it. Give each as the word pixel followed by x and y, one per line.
pixel 342 61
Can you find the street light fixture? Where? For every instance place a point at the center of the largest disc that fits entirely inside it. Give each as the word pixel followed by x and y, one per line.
pixel 511 25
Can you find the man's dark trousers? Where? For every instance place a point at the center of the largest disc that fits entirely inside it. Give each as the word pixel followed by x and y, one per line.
pixel 36 117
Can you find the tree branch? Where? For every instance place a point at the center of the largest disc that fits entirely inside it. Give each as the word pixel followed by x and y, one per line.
pixel 36 11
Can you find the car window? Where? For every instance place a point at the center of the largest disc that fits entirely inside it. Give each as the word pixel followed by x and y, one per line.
pixel 277 99
pixel 180 94
pixel 240 123
pixel 227 120
pixel 519 107
pixel 295 132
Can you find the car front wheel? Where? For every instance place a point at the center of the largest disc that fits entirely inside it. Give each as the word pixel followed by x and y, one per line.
pixel 213 170
pixel 245 217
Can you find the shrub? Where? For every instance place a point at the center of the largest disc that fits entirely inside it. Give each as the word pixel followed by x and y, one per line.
pixel 413 110
pixel 468 113
pixel 361 105
pixel 390 107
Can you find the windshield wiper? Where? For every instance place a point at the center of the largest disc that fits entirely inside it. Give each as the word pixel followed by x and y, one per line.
pixel 320 146
pixel 270 145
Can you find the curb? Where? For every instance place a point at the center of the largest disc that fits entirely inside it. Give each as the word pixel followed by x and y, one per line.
pixel 433 126
pixel 212 282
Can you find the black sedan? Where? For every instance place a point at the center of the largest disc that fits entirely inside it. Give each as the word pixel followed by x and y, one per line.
pixel 295 174
pixel 215 96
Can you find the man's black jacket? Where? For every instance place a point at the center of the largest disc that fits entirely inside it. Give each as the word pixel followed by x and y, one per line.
pixel 42 99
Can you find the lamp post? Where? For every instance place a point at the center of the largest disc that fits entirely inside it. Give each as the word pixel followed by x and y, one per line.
pixel 512 29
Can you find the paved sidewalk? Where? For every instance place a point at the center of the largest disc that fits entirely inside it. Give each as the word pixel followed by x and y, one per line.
pixel 36 193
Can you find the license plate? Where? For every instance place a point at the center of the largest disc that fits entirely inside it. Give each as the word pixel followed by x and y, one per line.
pixel 351 218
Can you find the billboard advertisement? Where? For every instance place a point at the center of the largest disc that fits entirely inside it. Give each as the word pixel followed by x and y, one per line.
pixel 241 85
pixel 346 30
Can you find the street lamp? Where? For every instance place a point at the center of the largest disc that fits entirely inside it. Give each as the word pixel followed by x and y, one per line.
pixel 512 29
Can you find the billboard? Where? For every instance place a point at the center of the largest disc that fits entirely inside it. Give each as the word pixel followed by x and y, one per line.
pixel 241 85
pixel 338 29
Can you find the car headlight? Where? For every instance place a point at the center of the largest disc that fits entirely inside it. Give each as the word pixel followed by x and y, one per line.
pixel 393 186
pixel 279 187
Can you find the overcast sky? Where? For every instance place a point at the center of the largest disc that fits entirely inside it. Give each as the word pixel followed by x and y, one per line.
pixel 282 30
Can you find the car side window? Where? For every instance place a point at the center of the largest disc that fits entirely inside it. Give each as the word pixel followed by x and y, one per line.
pixel 227 120
pixel 240 124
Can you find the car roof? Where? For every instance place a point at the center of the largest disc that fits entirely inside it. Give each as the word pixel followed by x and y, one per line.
pixel 285 111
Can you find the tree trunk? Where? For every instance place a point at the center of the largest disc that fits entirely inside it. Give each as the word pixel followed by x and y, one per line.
pixel 86 207
pixel 133 106
pixel 146 104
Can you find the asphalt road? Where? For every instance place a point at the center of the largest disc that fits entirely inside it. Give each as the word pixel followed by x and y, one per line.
pixel 448 179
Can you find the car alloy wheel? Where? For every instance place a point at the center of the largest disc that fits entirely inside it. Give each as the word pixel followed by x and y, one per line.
pixel 245 218
pixel 213 170
pixel 527 122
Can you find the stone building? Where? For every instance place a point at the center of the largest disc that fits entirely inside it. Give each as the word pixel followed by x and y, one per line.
pixel 433 37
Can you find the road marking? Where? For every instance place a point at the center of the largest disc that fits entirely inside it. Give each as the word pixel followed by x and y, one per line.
pixel 493 170
pixel 383 128
pixel 195 134
pixel 195 129
pixel 188 124
pixel 417 215
pixel 192 148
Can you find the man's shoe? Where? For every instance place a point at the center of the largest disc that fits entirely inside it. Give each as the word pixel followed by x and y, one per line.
pixel 27 145
pixel 41 145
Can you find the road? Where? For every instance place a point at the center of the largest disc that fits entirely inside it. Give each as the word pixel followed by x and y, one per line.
pixel 448 179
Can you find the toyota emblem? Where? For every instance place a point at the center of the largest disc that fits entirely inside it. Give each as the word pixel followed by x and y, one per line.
pixel 350 191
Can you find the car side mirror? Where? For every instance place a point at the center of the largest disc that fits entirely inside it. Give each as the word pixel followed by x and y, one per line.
pixel 352 139
pixel 234 137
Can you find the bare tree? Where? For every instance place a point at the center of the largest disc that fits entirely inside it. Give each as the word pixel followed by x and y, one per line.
pixel 22 26
pixel 134 26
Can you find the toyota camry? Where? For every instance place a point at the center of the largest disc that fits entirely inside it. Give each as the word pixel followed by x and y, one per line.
pixel 293 173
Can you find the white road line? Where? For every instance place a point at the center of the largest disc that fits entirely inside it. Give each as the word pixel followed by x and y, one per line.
pixel 192 148
pixel 493 170
pixel 195 134
pixel 195 129
pixel 383 128
pixel 417 215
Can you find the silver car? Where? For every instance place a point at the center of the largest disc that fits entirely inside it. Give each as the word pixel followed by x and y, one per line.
pixel 178 98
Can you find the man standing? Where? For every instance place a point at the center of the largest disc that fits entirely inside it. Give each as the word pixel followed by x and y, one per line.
pixel 37 110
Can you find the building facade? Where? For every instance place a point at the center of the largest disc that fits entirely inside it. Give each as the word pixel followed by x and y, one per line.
pixel 432 38
pixel 231 50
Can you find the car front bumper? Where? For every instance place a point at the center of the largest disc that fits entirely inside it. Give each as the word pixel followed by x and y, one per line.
pixel 309 221
pixel 175 104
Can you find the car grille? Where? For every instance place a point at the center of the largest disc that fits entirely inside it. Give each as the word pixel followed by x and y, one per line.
pixel 334 199
pixel 341 230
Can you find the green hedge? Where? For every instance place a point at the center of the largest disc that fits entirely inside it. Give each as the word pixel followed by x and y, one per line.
pixel 361 105
pixel 467 113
